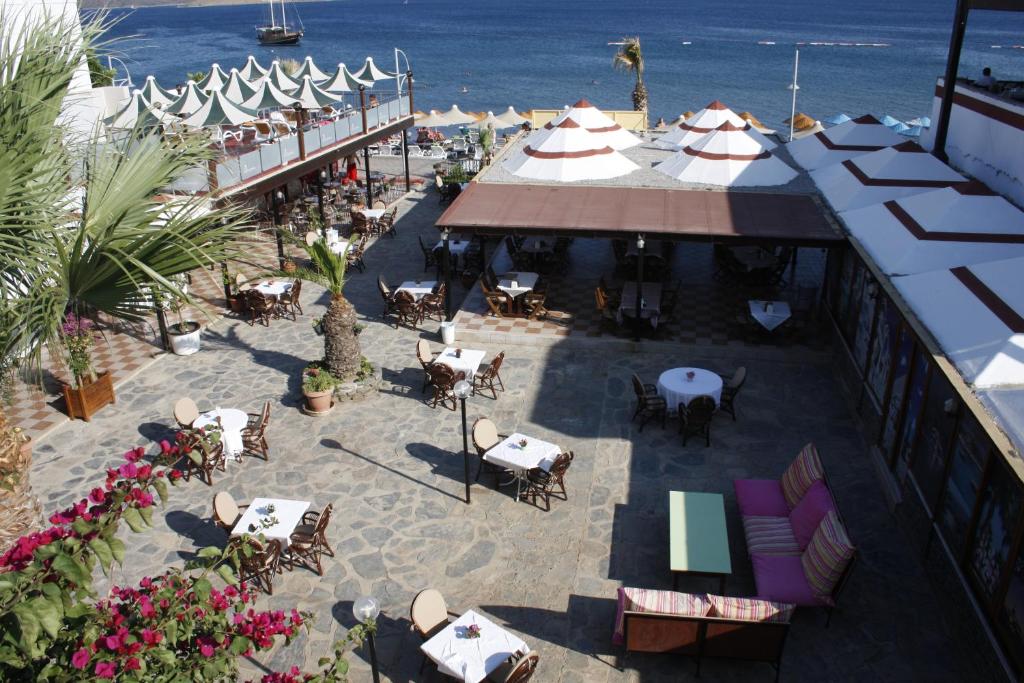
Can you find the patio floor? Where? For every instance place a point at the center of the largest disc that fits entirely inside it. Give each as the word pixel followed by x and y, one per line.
pixel 392 467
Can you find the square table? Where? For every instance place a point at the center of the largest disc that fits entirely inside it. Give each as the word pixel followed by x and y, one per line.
pixel 417 289
pixel 468 363
pixel 471 659
pixel 510 455
pixel 698 537
pixel 650 300
pixel 288 513
pixel 770 314
pixel 456 247
pixel 515 284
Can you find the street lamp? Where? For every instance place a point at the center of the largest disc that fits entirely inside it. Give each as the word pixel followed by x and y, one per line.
pixel 462 391
pixel 366 609
pixel 398 71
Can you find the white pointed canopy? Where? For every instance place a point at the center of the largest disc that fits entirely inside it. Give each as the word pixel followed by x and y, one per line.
pixel 310 69
pixel 705 121
pixel 457 117
pixel 237 89
pixel 252 71
pixel 280 79
pixel 189 101
pixel 597 122
pixel 511 117
pixel 156 95
pixel 844 141
pixel 492 120
pixel 138 113
pixel 728 156
pixel 434 119
pixel 311 96
pixel 215 79
pixel 370 73
pixel 219 111
pixel 342 81
pixel 268 97
pixel 567 153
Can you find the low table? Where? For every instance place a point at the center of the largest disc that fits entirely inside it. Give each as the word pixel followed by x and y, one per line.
pixel 675 388
pixel 769 314
pixel 288 513
pixel 471 659
pixel 417 289
pixel 232 422
pixel 510 455
pixel 698 536
pixel 468 362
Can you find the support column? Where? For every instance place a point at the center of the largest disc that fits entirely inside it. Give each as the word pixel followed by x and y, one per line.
pixel 640 248
pixel 405 157
pixel 956 42
pixel 277 206
pixel 300 119
pixel 161 322
pixel 447 277
pixel 321 198
pixel 366 150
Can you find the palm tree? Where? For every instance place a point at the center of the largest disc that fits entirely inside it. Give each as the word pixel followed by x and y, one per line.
pixel 630 58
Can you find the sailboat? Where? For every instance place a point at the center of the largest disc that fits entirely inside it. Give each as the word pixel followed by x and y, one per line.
pixel 272 34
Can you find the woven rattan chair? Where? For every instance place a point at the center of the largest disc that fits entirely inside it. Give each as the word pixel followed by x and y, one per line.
pixel 387 294
pixel 542 484
pixel 360 223
pixel 515 670
pixel 185 412
pixel 432 304
pixel 695 418
pixel 429 256
pixel 730 390
pixel 443 379
pixel 387 222
pixel 261 564
pixel 486 437
pixel 354 255
pixel 429 615
pixel 260 308
pixel 407 310
pixel 226 512
pixel 288 302
pixel 202 459
pixel 254 439
pixel 262 417
pixel 308 543
pixel 648 403
pixel 485 380
pixel 426 358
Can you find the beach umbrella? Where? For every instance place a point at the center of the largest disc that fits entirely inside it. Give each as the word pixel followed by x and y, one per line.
pixel 279 79
pixel 923 121
pixel 491 119
pixel 310 69
pixel 567 152
pixel 215 79
pixel 755 124
pixel 138 113
pixel 944 228
pixel 857 136
pixel 155 95
pixel 890 173
pixel 510 117
pixel 813 129
pixel 189 101
pixel 311 96
pixel 456 117
pixel 371 74
pixel 802 121
pixel 729 156
pixel 703 122
pixel 597 122
pixel 900 127
pixel 837 119
pixel 912 132
pixel 267 96
pixel 890 121
pixel 342 81
pixel 434 119
pixel 219 111
pixel 237 89
pixel 252 71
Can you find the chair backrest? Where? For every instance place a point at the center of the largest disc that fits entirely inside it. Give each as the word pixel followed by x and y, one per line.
pixel 638 386
pixel 600 299
pixel 441 375
pixel 561 464
pixel 485 434
pixel 423 352
pixel 700 409
pixel 265 415
pixel 404 301
pixel 496 363
pixel 240 279
pixel 385 291
pixel 185 411
pixel 428 611
pixel 225 509
pixel 262 127
pixel 323 520
pixel 379 204
pixel 296 290
pixel 523 669
pixel 738 378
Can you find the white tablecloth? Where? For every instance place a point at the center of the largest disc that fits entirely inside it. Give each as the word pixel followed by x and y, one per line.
pixel 524 282
pixel 457 247
pixel 232 422
pixel 340 247
pixel 777 314
pixel 288 513
pixel 275 288
pixel 675 388
pixel 468 363
pixel 651 301
pixel 418 289
pixel 373 214
pixel 471 659
pixel 510 455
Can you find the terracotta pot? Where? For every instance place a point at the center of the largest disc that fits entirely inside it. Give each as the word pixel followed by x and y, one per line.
pixel 289 266
pixel 235 304
pixel 319 401
pixel 84 400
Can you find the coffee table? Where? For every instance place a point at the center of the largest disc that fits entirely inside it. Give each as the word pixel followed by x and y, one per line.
pixel 698 537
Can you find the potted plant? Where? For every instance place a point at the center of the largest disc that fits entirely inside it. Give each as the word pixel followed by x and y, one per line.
pixel 318 326
pixel 184 334
pixel 318 388
pixel 89 390
pixel 235 302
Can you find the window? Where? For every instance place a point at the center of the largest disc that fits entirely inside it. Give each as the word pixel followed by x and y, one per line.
pixel 900 373
pixel 865 321
pixel 997 517
pixel 970 450
pixel 929 459
pixel 915 398
pixel 887 331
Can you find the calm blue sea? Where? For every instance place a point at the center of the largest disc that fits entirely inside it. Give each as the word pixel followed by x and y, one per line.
pixel 548 53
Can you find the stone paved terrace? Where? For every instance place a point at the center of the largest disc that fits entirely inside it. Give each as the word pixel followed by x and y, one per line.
pixel 392 468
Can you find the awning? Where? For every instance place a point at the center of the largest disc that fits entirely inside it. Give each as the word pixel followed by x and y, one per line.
pixel 596 122
pixel 502 208
pixel 137 113
pixel 216 79
pixel 567 153
pixel 268 97
pixel 219 111
pixel 238 89
pixel 371 74
pixel 280 79
pixel 843 141
pixel 310 69
pixel 313 97
pixel 252 71
pixel 189 101
pixel 155 95
pixel 342 81
pixel 728 156
pixel 703 122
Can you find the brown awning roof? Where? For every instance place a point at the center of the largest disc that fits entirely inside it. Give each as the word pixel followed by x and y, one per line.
pixel 498 208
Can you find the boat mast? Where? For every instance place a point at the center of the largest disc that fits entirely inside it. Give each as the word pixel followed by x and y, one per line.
pixel 271 13
pixel 284 17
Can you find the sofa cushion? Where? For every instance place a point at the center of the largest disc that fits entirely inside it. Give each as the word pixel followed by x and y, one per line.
pixel 801 473
pixel 750 609
pixel 827 555
pixel 769 536
pixel 780 578
pixel 661 602
pixel 807 515
pixel 760 498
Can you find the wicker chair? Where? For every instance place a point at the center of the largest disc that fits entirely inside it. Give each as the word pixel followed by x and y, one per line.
pixel 226 512
pixel 207 458
pixel 429 615
pixel 490 375
pixel 185 412
pixel 429 256
pixel 261 565
pixel 308 543
pixel 387 294
pixel 360 224
pixel 288 302
pixel 486 437
pixel 260 418
pixel 695 418
pixel 426 358
pixel 433 304
pixel 443 379
pixel 387 222
pixel 260 307
pixel 354 255
pixel 730 389
pixel 254 439
pixel 648 403
pixel 515 670
pixel 541 483
pixel 407 311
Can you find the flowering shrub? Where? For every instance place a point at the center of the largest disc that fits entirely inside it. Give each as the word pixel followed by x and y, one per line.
pixel 76 335
pixel 175 626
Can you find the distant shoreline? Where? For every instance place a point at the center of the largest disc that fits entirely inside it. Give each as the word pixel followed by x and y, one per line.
pixel 184 4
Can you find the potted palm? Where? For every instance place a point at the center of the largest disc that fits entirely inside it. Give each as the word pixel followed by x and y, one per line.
pixel 185 335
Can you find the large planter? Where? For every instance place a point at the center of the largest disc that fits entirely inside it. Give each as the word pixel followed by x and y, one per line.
pixel 185 337
pixel 319 402
pixel 88 397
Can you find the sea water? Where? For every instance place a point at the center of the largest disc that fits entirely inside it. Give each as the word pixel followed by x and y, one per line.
pixel 550 53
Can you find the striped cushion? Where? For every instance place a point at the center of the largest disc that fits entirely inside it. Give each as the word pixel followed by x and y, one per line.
pixel 800 474
pixel 770 536
pixel 661 602
pixel 826 556
pixel 750 609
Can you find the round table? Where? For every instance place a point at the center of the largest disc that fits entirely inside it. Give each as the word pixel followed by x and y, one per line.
pixel 232 422
pixel 675 388
pixel 276 288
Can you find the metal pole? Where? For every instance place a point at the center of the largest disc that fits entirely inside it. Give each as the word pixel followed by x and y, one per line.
pixel 373 657
pixel 300 117
pixel 956 42
pixel 405 156
pixel 640 247
pixel 278 222
pixel 161 321
pixel 465 447
pixel 795 87
pixel 447 278
pixel 321 199
pixel 366 150
pixel 398 77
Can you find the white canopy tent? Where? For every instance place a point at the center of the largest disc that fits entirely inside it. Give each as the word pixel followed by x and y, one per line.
pixel 433 119
pixel 890 173
pixel 976 313
pixel 219 111
pixel 492 120
pixel 597 122
pixel 237 89
pixel 728 156
pixel 708 119
pixel 155 95
pixel 268 97
pixel 252 71
pixel 370 73
pixel 189 101
pixel 138 113
pixel 843 141
pixel 457 117
pixel 280 79
pixel 215 79
pixel 511 117
pixel 310 69
pixel 342 81
pixel 567 153
pixel 944 228
pixel 311 96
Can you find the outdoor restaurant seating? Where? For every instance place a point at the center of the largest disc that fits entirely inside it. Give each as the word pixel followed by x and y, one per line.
pixel 261 307
pixel 443 379
pixel 406 309
pixel 541 483
pixel 308 543
pixel 254 438
pixel 648 403
pixel 185 412
pixel 695 418
pixel 432 304
pixel 226 512
pixel 208 457
pixel 499 302
pixel 516 670
pixel 730 389
pixel 489 375
pixel 533 305
pixel 354 255
pixel 260 566
pixel 260 418
pixel 288 301
pixel 387 294
pixel 429 614
pixel 486 437
pixel 430 256
pixel 425 357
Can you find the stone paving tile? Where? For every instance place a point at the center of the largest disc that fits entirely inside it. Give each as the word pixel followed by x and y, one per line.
pixel 393 469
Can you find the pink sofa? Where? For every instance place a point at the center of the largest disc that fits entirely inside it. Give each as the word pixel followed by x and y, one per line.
pixel 781 520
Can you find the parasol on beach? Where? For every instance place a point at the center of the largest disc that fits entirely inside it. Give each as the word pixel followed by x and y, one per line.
pixel 189 101
pixel 342 81
pixel 729 156
pixel 370 73
pixel 492 120
pixel 567 152
pixel 311 96
pixel 434 119
pixel 218 110
pixel 252 71
pixel 510 117
pixel 595 121
pixel 237 89
pixel 268 97
pixel 457 117
pixel 155 95
pixel 310 69
pixel 214 80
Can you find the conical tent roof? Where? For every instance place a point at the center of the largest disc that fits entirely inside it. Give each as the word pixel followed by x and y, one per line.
pixel 371 74
pixel 943 228
pixel 310 69
pixel 728 156
pixel 890 173
pixel 215 79
pixel 857 136
pixel 597 122
pixel 342 81
pixel 510 117
pixel 280 79
pixel 237 89
pixel 491 119
pixel 912 132
pixel 268 97
pixel 219 111
pixel 457 117
pixel 923 121
pixel 311 96
pixel 567 153
pixel 434 119
pixel 252 71
pixel 155 95
pixel 837 119
pixel 137 113
pixel 708 119
pixel 190 101
pixel 890 121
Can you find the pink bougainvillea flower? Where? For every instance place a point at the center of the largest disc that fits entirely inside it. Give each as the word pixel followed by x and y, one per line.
pixel 132 664
pixel 151 637
pixel 128 470
pixel 113 642
pixel 80 658
pixel 105 669
pixel 206 649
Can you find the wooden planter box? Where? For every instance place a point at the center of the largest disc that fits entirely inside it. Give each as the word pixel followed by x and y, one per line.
pixel 87 399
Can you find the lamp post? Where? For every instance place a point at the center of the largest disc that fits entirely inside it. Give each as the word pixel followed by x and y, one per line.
pixel 279 203
pixel 366 609
pixel 398 71
pixel 321 199
pixel 639 286
pixel 462 391
pixel 794 87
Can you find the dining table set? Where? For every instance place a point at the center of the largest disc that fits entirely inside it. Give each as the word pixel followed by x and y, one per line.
pixel 519 453
pixel 229 423
pixel 471 647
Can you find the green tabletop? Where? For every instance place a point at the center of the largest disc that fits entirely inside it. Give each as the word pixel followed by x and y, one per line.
pixel 699 540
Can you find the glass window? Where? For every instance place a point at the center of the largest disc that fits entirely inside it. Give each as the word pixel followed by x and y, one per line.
pixel 886 332
pixel 915 398
pixel 970 451
pixel 1011 616
pixel 865 321
pixel 929 460
pixel 852 312
pixel 997 517
pixel 901 370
